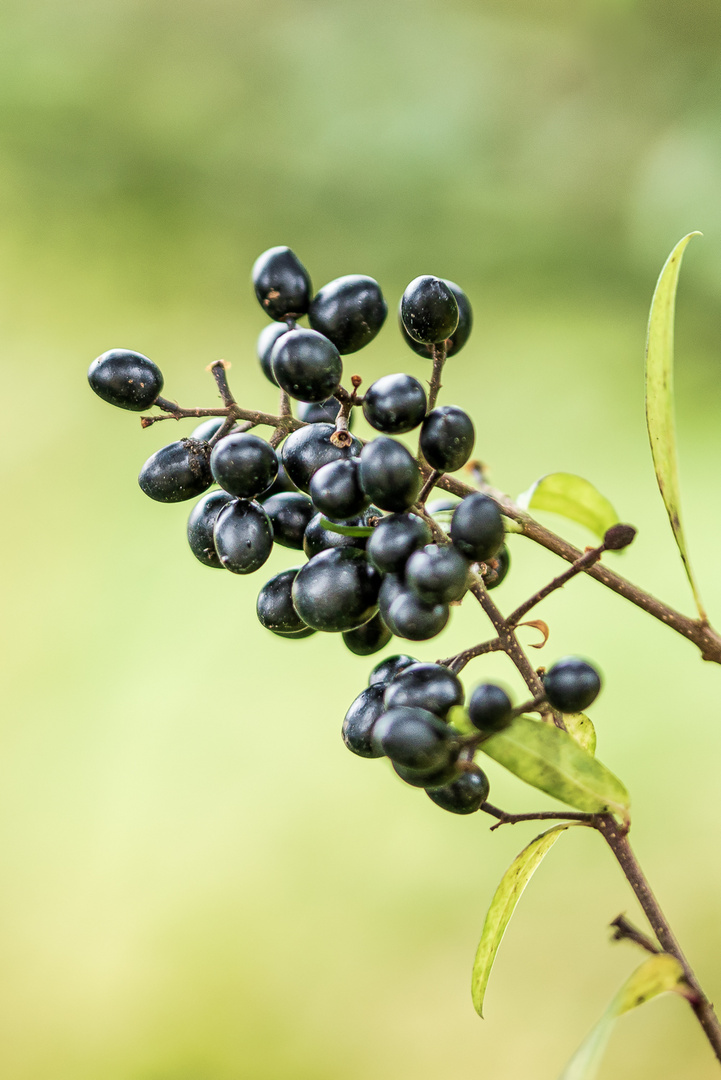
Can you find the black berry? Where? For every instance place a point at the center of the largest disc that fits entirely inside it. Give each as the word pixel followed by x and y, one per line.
pixel 490 708
pixel 497 568
pixel 126 379
pixel 408 617
pixel 282 483
pixel 317 538
pixel 429 686
pixel 447 438
pixel 477 528
pixel 336 489
pixel 275 605
pixel 394 404
pixel 243 536
pixel 387 669
pixel 391 588
pixel 318 412
pixel 389 474
pixel 464 795
pixel 429 310
pixel 571 685
pixel 437 574
pixel 289 513
pixel 282 284
pixel 460 335
pixel 369 638
pixel 337 590
pixel 201 523
pixel 306 365
pixel 414 738
pixel 349 311
pixel 177 472
pixel 394 540
pixel 244 464
pixel 429 779
pixel 308 448
pixel 204 432
pixel 266 341
pixel 359 720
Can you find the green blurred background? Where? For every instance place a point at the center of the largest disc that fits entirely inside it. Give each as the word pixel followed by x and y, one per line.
pixel 199 882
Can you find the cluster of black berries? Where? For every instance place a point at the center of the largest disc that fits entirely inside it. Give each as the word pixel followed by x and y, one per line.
pixel 379 563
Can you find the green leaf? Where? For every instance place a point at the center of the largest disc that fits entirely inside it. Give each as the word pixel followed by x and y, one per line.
pixel 346 530
pixel 459 719
pixel 552 760
pixel 503 904
pixel 659 400
pixel 581 727
pixel 657 975
pixel 573 498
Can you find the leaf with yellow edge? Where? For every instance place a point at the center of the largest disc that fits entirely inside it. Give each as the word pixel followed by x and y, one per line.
pixel 503 904
pixel 657 975
pixel 572 497
pixel 659 400
pixel 581 728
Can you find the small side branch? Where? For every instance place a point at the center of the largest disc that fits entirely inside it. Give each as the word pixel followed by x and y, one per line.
pixel 624 930
pixel 439 359
pixel 505 818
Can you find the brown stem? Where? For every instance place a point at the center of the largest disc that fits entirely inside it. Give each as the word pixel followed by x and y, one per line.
pixel 439 359
pixel 459 661
pixel 617 839
pixel 624 930
pixel 428 486
pixel 543 815
pixel 219 372
pixel 587 560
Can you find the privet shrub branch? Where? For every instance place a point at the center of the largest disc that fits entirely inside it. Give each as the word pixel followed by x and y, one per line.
pixel 385 560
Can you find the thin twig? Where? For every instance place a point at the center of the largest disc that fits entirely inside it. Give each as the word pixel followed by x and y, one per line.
pixel 624 930
pixel 439 359
pixel 542 815
pixel 458 662
pixel 428 486
pixel 587 560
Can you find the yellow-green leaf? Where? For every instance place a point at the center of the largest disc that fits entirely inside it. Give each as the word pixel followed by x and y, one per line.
pixel 507 895
pixel 572 497
pixel 657 975
pixel 552 760
pixel 581 727
pixel 659 400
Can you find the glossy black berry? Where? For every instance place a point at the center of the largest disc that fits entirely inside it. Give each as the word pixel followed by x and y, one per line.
pixel 201 523
pixel 460 335
pixel 337 590
pixel 430 779
pixel 387 669
pixel 394 404
pixel 266 341
pixel 389 474
pixel 282 284
pixel 490 708
pixel 243 536
pixel 349 311
pixel 437 574
pixel 318 412
pixel 394 540
pixel 275 605
pixel 429 686
pixel 369 638
pixel 408 617
pixel 359 720
pixel 571 685
pixel 414 738
pixel 317 538
pixel 244 464
pixel 310 447
pixel 477 528
pixel 429 310
pixel 464 795
pixel 336 490
pixel 126 379
pixel 177 472
pixel 447 438
pixel 290 513
pixel 442 506
pixel 306 365
pixel 281 484
pixel 496 568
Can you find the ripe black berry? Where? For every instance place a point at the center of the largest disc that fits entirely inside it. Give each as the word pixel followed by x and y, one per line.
pixel 306 365
pixel 447 438
pixel 126 379
pixel 359 720
pixel 349 311
pixel 369 638
pixel 464 795
pixel 571 685
pixel 389 474
pixel 317 538
pixel 477 528
pixel 177 472
pixel 282 483
pixel 394 540
pixel 244 464
pixel 200 526
pixel 336 489
pixel 429 310
pixel 429 686
pixel 243 536
pixel 275 605
pixel 337 590
pixel 266 341
pixel 490 708
pixel 308 448
pixel 282 284
pixel 408 617
pixel 289 513
pixel 387 669
pixel 437 574
pixel 414 738
pixel 429 779
pixel 497 568
pixel 318 412
pixel 460 335
pixel 394 404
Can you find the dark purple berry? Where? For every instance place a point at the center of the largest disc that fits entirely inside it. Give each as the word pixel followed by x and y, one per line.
pixel 414 738
pixel 243 536
pixel 201 523
pixel 349 311
pixel 317 538
pixel 318 412
pixel 447 438
pixel 126 379
pixel 437 574
pixel 460 335
pixel 336 490
pixel 337 590
pixel 282 284
pixel 429 686
pixel 244 464
pixel 394 540
pixel 389 474
pixel 289 513
pixel 429 779
pixel 359 720
pixel 571 685
pixel 306 365
pixel 281 484
pixel 177 472
pixel 394 404
pixel 496 568
pixel 408 617
pixel 477 528
pixel 387 669
pixel 490 708
pixel 464 795
pixel 391 588
pixel 266 341
pixel 369 638
pixel 275 605
pixel 310 447
pixel 429 310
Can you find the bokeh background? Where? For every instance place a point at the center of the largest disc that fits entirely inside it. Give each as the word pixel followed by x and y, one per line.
pixel 199 882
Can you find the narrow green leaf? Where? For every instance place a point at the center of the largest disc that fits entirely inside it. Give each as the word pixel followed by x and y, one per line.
pixel 552 760
pixel 346 530
pixel 659 400
pixel 572 497
pixel 657 975
pixel 581 727
pixel 507 895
